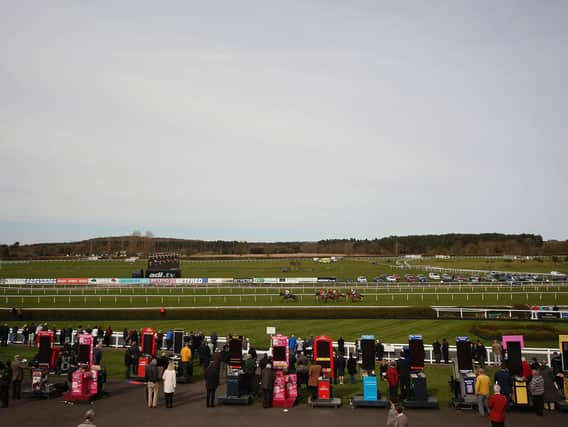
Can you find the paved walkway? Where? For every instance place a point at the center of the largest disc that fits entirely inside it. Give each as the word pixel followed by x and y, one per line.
pixel 125 406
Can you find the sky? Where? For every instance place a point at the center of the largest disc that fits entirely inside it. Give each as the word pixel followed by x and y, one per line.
pixel 282 120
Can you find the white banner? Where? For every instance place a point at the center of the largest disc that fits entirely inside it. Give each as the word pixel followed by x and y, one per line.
pixel 38 281
pixel 220 280
pixel 189 281
pixel 103 281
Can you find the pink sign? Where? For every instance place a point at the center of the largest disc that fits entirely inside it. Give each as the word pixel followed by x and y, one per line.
pixel 513 338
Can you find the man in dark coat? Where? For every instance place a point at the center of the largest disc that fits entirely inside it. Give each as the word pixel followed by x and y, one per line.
pixel 379 350
pixel 404 376
pixel 503 378
pixel 341 346
pixel 135 356
pixel 267 384
pixel 211 383
pixel 128 362
pixel 437 350
pixel 445 351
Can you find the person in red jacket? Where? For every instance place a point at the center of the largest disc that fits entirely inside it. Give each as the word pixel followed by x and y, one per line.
pixel 497 407
pixel 526 369
pixel 392 379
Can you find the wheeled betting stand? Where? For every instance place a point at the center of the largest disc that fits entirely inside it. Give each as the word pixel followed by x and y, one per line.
pixel 85 379
pixel 370 397
pixel 462 382
pixel 237 390
pixel 323 355
pixel 418 386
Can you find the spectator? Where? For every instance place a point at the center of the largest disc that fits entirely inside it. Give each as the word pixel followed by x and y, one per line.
pixel 404 376
pixel 352 368
pixel 551 393
pixel 169 339
pixel 445 351
pixel 98 354
pixel 497 407
pixel 379 350
pixel 497 349
pixel 341 346
pixel 267 384
pixel 169 378
pixel 392 379
pixel 89 418
pixel 211 383
pixel 482 385
pixel 437 350
pixel 185 355
pixel 108 336
pixel 135 356
pixel 505 382
pixel 17 377
pixel 526 369
pixel 4 389
pixel 314 373
pixel 152 385
pixel 292 343
pixel 341 368
pixel 401 418
pixel 128 362
pixel 125 337
pixel 536 388
pixel 391 416
pixel 480 353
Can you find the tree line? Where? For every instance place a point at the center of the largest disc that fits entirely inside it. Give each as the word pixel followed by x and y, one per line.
pixel 137 244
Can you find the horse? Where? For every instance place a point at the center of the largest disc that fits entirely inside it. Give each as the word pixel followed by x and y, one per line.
pixel 322 296
pixel 355 297
pixel 288 297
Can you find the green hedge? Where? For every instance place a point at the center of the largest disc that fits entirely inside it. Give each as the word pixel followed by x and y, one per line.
pixel 538 332
pixel 227 313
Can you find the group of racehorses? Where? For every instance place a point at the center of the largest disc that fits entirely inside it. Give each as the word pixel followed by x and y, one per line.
pixel 325 295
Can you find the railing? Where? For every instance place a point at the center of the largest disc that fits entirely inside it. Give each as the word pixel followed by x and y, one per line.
pixel 488 313
pixel 391 351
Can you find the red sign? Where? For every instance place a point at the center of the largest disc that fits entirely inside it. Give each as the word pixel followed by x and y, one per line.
pixel 72 281
pixel 323 389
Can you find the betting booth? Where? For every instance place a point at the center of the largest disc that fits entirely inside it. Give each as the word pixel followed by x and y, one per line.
pixel 285 385
pixel 370 395
pixel 463 379
pixel 85 379
pixel 563 345
pixel 147 350
pixel 177 345
pixel 418 385
pixel 323 355
pixel 237 392
pixel 513 344
pixel 46 360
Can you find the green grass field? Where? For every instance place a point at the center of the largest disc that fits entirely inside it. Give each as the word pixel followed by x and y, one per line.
pixel 491 264
pixel 213 300
pixel 344 269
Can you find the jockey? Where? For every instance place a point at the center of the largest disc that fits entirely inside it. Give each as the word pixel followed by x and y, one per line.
pixel 352 292
pixel 287 293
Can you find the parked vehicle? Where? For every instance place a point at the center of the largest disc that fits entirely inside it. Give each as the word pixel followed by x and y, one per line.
pixel 393 278
pixel 410 278
pixel 434 276
pixel 421 278
pixel 361 279
pixel 446 278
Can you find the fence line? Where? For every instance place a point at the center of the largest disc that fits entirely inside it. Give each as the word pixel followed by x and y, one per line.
pixel 392 351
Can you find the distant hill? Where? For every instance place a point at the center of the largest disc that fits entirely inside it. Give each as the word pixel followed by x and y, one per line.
pixel 451 244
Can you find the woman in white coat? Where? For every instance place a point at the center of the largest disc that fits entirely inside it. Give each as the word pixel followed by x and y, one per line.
pixel 169 378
